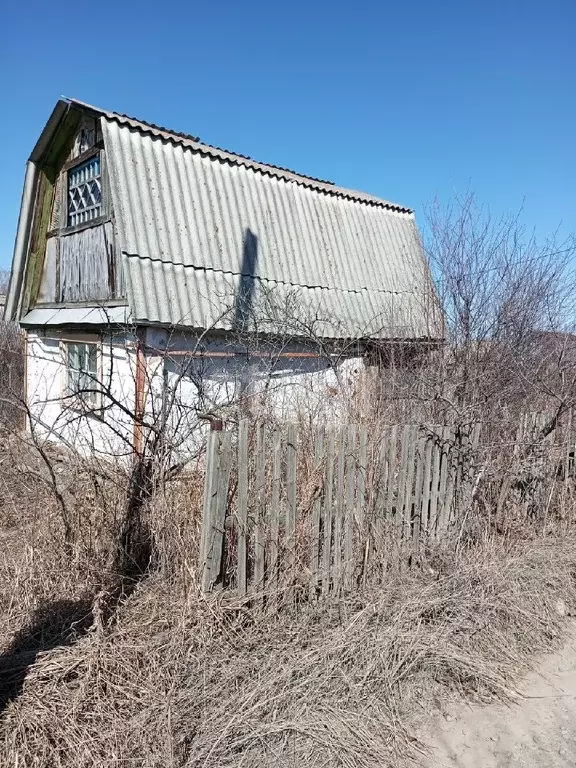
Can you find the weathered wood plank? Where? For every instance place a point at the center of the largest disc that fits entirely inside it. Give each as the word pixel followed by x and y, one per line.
pixel 275 508
pixel 426 487
pixel 445 469
pixel 435 484
pixel 221 503
pixel 362 472
pixel 210 481
pixel 420 459
pixel 242 508
pixel 259 508
pixel 291 497
pixel 316 512
pixel 328 513
pixel 339 511
pixel 393 475
pixel 362 511
pixel 351 467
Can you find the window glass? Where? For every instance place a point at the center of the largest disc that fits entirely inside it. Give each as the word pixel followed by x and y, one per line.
pixel 84 192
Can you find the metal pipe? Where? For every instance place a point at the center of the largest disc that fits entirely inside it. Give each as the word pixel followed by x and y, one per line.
pixel 25 221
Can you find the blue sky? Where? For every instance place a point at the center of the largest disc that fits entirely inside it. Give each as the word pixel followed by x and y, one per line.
pixel 403 100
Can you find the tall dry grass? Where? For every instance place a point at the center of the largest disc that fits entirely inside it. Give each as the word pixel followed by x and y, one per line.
pixel 171 679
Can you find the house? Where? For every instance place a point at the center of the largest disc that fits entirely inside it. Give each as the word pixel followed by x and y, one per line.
pixel 147 261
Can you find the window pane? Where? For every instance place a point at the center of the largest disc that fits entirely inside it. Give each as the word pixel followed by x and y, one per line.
pixel 84 192
pixel 82 371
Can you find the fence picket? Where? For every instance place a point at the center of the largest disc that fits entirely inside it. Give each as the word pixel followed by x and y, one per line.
pixel 242 508
pixel 221 502
pixel 445 461
pixel 316 512
pixel 275 507
pixel 426 486
pixel 291 498
pixel 391 475
pixel 339 511
pixel 259 508
pixel 327 526
pixel 351 467
pixel 417 506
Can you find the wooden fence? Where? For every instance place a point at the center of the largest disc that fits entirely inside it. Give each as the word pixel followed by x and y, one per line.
pixel 289 509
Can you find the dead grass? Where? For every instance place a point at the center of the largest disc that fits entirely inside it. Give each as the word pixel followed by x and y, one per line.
pixel 177 681
pixel 173 680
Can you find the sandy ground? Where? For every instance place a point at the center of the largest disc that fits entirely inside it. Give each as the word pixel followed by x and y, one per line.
pixel 537 732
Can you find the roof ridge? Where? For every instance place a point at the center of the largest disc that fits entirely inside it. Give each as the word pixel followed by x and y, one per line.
pixel 194 143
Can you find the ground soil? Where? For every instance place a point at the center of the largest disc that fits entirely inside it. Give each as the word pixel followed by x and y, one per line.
pixel 538 731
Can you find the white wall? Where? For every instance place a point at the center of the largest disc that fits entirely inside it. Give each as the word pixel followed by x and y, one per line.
pixel 185 376
pixel 53 416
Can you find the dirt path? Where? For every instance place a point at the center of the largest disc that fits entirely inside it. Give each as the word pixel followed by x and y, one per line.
pixel 537 732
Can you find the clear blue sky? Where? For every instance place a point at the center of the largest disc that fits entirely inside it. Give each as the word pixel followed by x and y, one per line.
pixel 403 100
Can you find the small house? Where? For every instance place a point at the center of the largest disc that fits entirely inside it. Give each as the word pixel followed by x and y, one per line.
pixel 150 265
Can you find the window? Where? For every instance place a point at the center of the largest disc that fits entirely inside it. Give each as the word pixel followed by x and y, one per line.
pixel 85 192
pixel 82 372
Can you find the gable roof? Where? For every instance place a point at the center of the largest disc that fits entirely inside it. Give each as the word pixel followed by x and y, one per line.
pixel 208 238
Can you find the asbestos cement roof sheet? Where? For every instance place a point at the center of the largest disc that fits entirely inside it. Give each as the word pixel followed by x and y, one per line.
pixel 197 224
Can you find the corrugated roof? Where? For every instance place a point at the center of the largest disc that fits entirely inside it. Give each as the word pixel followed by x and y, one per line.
pixel 194 143
pixel 192 220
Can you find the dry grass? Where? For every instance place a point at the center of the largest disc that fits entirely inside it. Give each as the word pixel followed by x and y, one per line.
pixel 173 680
pixel 177 681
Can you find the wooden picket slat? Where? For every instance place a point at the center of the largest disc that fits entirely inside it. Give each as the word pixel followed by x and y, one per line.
pixel 391 473
pixel 426 487
pixel 349 507
pixel 445 461
pixel 339 511
pixel 432 525
pixel 221 502
pixel 291 497
pixel 275 507
pixel 209 482
pixel 259 508
pixel 361 483
pixel 242 508
pixel 419 479
pixel 316 513
pixel 328 502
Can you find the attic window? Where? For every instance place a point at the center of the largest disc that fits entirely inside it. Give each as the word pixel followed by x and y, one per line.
pixel 85 192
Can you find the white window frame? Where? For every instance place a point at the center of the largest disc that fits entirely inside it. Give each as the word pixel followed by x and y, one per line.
pixel 76 400
pixel 64 227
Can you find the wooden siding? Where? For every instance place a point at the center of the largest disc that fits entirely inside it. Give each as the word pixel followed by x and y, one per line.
pixel 89 265
pixel 72 266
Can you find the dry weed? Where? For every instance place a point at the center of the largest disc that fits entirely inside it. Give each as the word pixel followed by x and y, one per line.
pixel 178 681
